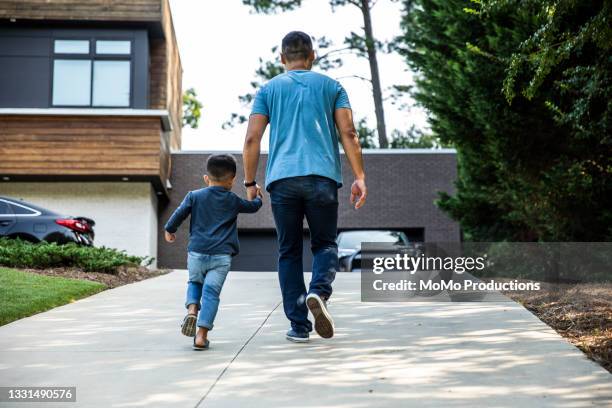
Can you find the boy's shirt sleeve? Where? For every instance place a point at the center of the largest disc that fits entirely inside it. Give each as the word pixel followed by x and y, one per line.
pixel 179 214
pixel 246 206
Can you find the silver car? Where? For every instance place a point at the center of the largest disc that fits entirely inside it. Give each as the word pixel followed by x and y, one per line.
pixel 349 245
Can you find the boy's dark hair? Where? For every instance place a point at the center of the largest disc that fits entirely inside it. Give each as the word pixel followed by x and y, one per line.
pixel 221 167
pixel 296 45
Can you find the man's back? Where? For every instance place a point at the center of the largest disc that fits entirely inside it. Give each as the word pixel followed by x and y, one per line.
pixel 300 106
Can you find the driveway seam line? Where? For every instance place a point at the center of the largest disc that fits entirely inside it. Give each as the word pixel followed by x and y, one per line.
pixel 246 343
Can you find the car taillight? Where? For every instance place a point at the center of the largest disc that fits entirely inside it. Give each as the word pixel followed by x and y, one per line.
pixel 74 225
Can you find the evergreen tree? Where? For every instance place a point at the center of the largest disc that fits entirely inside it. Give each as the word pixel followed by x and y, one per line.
pixel 526 170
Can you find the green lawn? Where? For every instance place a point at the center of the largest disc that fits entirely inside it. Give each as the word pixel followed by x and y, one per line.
pixel 23 294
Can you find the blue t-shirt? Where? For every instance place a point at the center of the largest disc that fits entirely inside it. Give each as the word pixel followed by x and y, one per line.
pixel 214 211
pixel 300 107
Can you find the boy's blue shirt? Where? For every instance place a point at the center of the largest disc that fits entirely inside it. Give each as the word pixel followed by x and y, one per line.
pixel 300 107
pixel 214 211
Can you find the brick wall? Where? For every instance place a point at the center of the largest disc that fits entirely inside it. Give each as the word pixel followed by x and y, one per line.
pixel 402 185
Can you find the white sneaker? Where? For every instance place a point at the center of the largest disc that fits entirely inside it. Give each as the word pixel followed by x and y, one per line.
pixel 323 322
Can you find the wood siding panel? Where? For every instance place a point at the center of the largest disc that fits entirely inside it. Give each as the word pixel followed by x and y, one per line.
pixel 90 10
pixel 81 145
pixel 174 87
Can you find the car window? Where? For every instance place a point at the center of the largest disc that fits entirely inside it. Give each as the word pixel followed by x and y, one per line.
pixel 353 239
pixel 21 210
pixel 4 209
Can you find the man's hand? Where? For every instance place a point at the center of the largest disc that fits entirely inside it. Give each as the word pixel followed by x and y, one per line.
pixel 170 237
pixel 359 189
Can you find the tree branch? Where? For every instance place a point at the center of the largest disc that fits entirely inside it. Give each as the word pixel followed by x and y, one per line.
pixel 355 76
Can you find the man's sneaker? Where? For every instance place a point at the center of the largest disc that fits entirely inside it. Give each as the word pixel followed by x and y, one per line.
pixel 296 337
pixel 323 323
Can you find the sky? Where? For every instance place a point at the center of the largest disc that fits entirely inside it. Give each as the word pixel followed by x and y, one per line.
pixel 220 44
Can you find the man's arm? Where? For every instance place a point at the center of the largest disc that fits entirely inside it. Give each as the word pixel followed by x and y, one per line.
pixel 350 142
pixel 252 147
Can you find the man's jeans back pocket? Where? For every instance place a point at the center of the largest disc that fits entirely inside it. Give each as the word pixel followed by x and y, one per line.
pixel 326 192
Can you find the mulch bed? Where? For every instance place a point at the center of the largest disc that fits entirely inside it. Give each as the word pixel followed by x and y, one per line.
pixel 123 276
pixel 581 313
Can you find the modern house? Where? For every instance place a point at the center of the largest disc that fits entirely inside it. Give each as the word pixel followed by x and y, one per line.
pixel 90 110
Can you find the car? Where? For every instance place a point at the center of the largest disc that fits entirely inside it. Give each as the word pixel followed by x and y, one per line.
pixel 349 245
pixel 29 222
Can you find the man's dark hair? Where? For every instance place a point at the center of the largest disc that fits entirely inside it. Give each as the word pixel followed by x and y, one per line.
pixel 296 45
pixel 221 167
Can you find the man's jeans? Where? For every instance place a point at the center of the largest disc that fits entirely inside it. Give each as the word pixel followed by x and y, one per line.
pixel 316 198
pixel 207 274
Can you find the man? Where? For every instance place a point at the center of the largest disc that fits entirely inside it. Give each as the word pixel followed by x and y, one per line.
pixel 303 175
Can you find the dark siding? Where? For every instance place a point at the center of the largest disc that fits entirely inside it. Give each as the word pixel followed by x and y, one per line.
pixel 24 70
pixel 402 190
pixel 25 64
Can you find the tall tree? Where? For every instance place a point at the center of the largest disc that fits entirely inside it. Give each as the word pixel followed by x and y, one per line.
pixel 526 171
pixel 363 45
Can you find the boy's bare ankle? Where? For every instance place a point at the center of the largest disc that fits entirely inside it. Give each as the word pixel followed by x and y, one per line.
pixel 192 309
pixel 201 335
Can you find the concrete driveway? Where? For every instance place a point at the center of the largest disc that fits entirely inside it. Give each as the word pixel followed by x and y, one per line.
pixel 123 348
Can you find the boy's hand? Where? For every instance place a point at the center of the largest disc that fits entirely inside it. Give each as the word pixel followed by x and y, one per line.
pixel 170 237
pixel 259 193
pixel 253 192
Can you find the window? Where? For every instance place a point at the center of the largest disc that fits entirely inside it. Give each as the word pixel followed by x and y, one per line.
pixel 71 82
pixel 71 47
pixel 23 211
pixel 4 208
pixel 98 76
pixel 113 47
pixel 111 83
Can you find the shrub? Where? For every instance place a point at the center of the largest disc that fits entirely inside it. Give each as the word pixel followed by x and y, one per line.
pixel 21 254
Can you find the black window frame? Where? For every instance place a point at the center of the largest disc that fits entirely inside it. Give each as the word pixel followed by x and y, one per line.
pixel 92 56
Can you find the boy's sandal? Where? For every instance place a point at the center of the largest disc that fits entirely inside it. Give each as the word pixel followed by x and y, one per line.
pixel 188 327
pixel 204 347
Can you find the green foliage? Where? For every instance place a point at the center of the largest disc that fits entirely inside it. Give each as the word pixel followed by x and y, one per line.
pixel 272 6
pixel 414 138
pixel 22 254
pixel 538 168
pixel 367 136
pixel 192 109
pixel 23 294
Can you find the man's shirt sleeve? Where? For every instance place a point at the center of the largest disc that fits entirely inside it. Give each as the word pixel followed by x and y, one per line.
pixel 342 99
pixel 246 206
pixel 179 214
pixel 260 103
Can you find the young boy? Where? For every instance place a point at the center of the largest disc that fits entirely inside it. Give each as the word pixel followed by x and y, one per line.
pixel 213 240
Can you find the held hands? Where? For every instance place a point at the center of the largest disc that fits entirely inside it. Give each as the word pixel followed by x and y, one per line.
pixel 254 191
pixel 170 237
pixel 359 190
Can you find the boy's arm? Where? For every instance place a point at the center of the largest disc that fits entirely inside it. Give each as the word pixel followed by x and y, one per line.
pixel 179 215
pixel 246 206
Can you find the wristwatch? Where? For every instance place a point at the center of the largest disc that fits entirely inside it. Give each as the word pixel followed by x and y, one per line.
pixel 250 183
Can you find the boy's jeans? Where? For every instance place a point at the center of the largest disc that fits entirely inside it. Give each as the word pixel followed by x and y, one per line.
pixel 207 274
pixel 316 198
